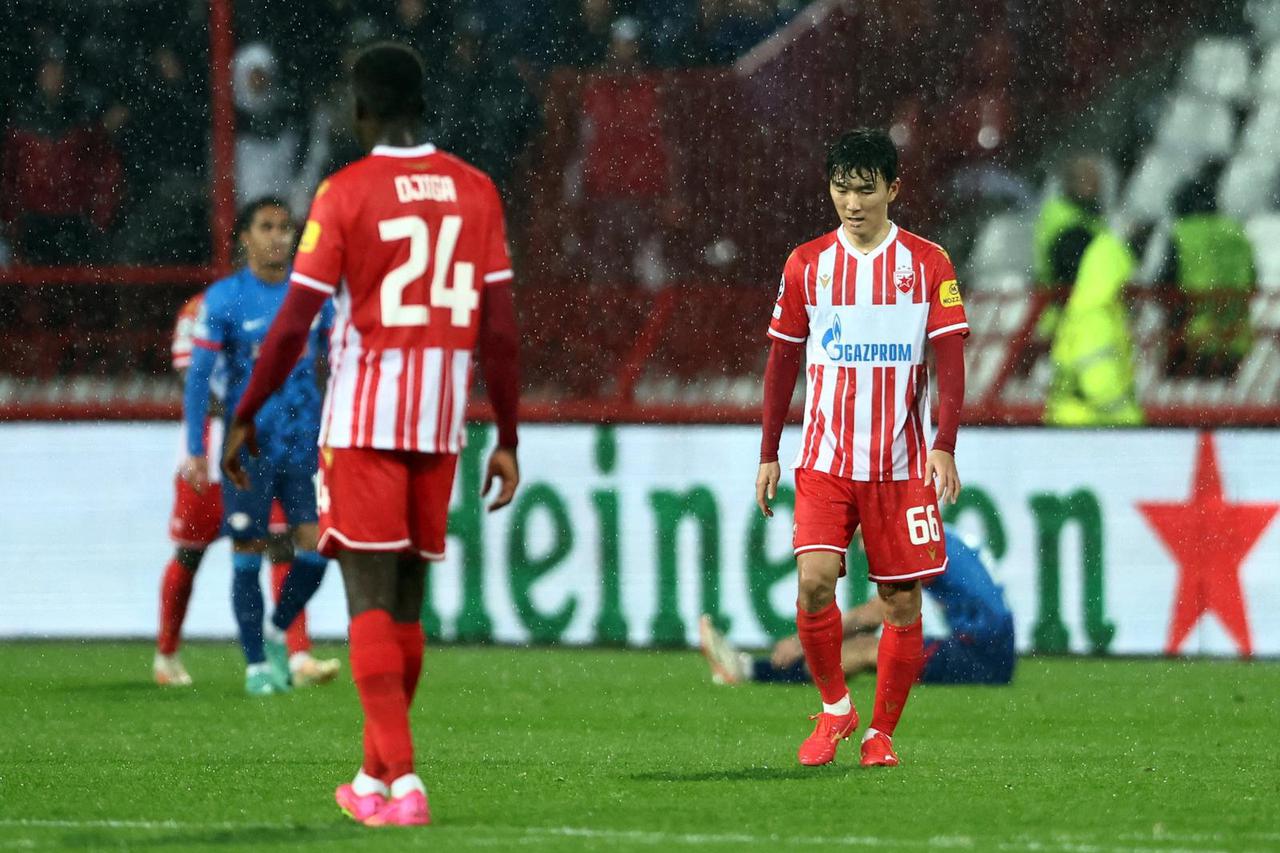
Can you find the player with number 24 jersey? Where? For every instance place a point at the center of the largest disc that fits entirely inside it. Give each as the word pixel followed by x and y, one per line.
pixel 402 341
pixel 410 242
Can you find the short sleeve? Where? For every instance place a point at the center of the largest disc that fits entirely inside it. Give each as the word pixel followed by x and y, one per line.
pixel 497 260
pixel 790 318
pixel 211 328
pixel 318 262
pixel 946 308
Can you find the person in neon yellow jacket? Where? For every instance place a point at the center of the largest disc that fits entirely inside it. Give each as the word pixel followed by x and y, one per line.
pixel 1092 352
pixel 1078 207
pixel 1208 279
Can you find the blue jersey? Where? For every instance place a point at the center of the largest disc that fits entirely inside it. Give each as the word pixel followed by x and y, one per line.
pixel 971 600
pixel 233 321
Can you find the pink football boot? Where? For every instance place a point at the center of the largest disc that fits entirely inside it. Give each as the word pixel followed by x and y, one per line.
pixel 408 810
pixel 356 807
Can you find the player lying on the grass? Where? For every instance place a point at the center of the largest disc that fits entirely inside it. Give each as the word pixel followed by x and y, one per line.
pixel 412 242
pixel 860 303
pixel 978 650
pixel 196 523
pixel 232 323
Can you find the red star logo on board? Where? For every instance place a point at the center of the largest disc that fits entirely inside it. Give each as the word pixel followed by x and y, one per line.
pixel 1209 539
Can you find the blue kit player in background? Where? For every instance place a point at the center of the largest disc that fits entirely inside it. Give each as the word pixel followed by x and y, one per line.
pixel 979 649
pixel 233 322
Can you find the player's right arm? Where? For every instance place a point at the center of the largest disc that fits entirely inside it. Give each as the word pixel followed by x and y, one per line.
pixel 787 330
pixel 208 336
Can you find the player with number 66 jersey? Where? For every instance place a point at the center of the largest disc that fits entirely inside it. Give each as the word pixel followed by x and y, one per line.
pixel 860 304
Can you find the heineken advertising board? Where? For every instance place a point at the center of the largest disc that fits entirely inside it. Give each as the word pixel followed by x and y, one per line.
pixel 1106 542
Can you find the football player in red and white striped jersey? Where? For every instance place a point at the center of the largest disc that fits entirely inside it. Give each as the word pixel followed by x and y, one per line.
pixel 862 303
pixel 410 243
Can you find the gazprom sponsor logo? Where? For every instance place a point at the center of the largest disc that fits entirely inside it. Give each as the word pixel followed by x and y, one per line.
pixel 848 353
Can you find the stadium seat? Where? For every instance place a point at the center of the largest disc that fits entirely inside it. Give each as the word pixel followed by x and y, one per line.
pixel 1001 257
pixel 1153 183
pixel 1196 128
pixel 1264 17
pixel 1218 69
pixel 1248 185
pixel 1264 234
pixel 1261 134
pixel 1267 85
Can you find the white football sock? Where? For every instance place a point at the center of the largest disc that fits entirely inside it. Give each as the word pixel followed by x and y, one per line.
pixel 364 784
pixel 257 668
pixel 298 660
pixel 872 733
pixel 406 783
pixel 271 633
pixel 844 706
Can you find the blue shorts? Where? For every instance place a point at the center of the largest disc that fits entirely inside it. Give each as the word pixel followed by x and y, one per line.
pixel 961 660
pixel 246 514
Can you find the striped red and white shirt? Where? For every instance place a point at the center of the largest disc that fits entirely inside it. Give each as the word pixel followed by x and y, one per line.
pixel 864 318
pixel 184 332
pixel 407 240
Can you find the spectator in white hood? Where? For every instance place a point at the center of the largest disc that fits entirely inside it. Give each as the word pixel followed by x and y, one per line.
pixel 266 140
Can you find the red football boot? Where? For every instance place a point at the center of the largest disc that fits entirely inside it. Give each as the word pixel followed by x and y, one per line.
pixel 820 747
pixel 877 750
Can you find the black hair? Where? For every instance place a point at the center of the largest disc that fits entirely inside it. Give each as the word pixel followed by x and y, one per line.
pixel 861 152
pixel 388 81
pixel 244 219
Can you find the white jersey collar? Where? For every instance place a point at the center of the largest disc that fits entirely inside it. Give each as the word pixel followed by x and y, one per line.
pixel 396 151
pixel 884 244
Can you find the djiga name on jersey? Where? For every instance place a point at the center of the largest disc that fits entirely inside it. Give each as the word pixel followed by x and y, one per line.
pixel 425 188
pixel 838 351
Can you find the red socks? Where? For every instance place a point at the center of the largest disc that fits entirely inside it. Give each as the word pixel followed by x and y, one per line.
pixel 412 643
pixel 377 666
pixel 821 635
pixel 175 595
pixel 295 639
pixel 898 662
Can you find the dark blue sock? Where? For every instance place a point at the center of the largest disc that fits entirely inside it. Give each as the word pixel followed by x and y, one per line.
pixel 300 584
pixel 246 603
pixel 763 670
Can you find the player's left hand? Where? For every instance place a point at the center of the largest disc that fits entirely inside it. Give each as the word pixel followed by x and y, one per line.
pixel 940 469
pixel 502 466
pixel 240 435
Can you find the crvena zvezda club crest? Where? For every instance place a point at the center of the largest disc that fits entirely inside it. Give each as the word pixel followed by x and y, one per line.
pixel 904 278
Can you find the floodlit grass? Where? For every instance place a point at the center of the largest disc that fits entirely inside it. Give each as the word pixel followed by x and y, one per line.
pixel 609 750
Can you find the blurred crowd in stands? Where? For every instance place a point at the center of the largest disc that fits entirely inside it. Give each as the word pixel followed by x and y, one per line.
pixel 105 116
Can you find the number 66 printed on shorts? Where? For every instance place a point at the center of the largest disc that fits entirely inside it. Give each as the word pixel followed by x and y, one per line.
pixel 901 527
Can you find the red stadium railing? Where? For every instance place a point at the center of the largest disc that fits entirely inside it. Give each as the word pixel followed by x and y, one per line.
pixel 685 354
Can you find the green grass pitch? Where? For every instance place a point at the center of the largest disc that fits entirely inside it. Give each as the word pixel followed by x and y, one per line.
pixel 611 750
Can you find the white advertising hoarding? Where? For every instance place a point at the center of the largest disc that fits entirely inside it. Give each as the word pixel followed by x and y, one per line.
pixel 1120 542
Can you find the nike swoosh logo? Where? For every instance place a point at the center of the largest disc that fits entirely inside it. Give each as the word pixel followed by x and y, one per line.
pixel 253 325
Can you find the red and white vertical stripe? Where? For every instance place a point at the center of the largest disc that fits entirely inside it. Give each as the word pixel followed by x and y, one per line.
pixel 866 422
pixel 410 398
